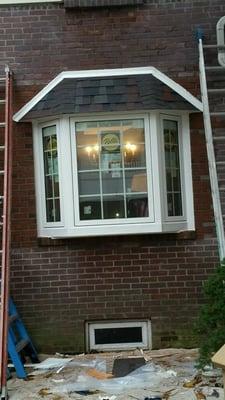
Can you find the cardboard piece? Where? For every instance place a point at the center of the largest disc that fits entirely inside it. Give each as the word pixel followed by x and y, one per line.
pixel 219 361
pixel 219 358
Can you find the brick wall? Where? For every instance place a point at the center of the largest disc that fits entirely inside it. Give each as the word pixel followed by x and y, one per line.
pixel 59 285
pixel 58 288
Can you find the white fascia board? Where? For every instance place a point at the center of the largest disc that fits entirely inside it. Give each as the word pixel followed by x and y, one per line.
pixel 104 73
pixel 177 88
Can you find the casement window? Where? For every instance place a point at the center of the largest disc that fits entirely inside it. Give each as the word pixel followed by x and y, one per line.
pixel 116 158
pixel 113 174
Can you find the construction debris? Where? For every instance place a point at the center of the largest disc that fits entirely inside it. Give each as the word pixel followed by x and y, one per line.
pixel 148 376
pixel 124 366
pixel 52 363
pixel 172 376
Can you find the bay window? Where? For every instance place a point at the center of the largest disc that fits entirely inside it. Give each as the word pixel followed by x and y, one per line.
pixel 113 174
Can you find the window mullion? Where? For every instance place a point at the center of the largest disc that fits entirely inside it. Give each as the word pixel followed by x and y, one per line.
pixel 100 172
pixel 123 172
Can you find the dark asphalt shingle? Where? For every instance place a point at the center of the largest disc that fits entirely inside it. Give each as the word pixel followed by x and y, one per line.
pixel 122 93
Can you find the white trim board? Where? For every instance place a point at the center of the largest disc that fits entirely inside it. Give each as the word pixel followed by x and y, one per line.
pixel 104 73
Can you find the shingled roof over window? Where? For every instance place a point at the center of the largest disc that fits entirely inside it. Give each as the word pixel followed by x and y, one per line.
pixel 116 92
pixel 100 3
pixel 121 93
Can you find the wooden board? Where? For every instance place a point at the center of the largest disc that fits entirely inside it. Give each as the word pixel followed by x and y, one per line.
pixel 219 358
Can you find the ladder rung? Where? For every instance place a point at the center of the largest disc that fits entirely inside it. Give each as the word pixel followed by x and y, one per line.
pixel 20 346
pixel 218 114
pixel 2 79
pixel 2 124
pixel 2 101
pixel 13 318
pixel 218 137
pixel 216 91
pixel 215 68
pixel 2 148
pixel 2 172
pixel 213 46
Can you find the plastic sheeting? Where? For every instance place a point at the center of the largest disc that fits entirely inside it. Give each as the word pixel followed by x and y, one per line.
pixel 148 376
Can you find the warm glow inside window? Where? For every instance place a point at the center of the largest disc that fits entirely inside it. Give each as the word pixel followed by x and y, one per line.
pixel 111 169
pixel 113 174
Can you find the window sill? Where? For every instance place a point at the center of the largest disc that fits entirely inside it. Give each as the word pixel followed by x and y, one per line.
pixel 55 242
pixel 113 230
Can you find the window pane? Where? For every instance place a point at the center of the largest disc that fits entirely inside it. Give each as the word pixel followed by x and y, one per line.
pixel 88 183
pixel 88 158
pixel 50 210
pixel 172 164
pixel 170 205
pixel 133 131
pixel 168 180
pixel 137 206
pixel 90 208
pixel 50 154
pixel 116 151
pixel 113 207
pixel 136 181
pixel 111 160
pixel 134 155
pixel 177 204
pixel 86 133
pixel 49 186
pixel 112 181
pixel 56 185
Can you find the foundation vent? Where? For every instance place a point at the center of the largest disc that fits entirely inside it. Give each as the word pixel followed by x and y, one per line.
pixel 118 335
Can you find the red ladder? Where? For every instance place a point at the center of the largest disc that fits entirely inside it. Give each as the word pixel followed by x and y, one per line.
pixel 6 173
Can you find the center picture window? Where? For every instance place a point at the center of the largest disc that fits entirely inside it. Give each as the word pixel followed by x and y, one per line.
pixel 111 169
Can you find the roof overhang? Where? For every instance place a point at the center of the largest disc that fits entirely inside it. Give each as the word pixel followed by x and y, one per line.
pixel 108 73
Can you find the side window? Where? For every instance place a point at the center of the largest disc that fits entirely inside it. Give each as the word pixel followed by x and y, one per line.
pixel 51 174
pixel 173 189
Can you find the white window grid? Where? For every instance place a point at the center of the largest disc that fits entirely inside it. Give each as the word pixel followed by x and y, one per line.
pixel 113 221
pixel 123 169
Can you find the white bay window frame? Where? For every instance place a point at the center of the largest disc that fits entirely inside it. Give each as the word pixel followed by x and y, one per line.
pixel 158 220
